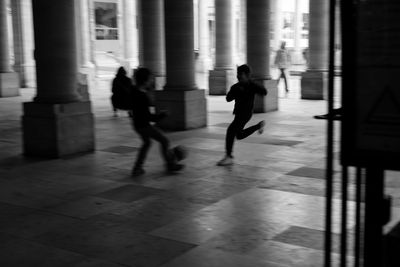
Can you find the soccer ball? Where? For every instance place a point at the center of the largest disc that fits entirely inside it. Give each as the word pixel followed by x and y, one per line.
pixel 179 152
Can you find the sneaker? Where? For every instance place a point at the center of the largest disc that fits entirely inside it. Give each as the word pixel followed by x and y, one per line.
pixel 226 161
pixel 261 129
pixel 335 117
pixel 175 167
pixel 137 172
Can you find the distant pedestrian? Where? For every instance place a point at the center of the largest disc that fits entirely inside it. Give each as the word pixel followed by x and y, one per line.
pixel 141 123
pixel 243 93
pixel 282 62
pixel 121 89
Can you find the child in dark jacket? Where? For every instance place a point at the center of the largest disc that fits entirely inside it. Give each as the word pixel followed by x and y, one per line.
pixel 243 93
pixel 141 123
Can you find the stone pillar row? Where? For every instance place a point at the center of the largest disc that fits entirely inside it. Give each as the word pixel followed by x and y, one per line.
pixel 60 122
pixel 9 81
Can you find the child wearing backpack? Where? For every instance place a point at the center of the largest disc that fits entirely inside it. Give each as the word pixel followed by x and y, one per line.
pixel 121 89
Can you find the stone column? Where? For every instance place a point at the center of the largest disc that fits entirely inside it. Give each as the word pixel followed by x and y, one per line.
pixel 86 74
pixel 186 103
pixel 204 38
pixel 223 75
pixel 297 53
pixel 9 81
pixel 242 37
pixel 314 81
pixel 23 42
pixel 57 122
pixel 151 39
pixel 278 23
pixel 130 35
pixel 258 52
pixel 338 41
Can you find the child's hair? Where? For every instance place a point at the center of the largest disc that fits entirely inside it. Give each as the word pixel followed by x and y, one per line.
pixel 244 69
pixel 141 75
pixel 121 71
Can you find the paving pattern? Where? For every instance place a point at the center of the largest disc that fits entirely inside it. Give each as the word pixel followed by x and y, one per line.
pixel 266 210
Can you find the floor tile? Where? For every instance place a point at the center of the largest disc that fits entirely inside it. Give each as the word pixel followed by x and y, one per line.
pixel 292 255
pixel 118 244
pixel 194 229
pixel 85 207
pixel 129 193
pixel 245 236
pixel 120 149
pixel 309 172
pixel 26 253
pixel 36 223
pixel 306 237
pixel 205 257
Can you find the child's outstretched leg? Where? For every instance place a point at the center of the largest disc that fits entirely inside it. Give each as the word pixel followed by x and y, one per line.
pixel 243 133
pixel 235 129
pixel 231 132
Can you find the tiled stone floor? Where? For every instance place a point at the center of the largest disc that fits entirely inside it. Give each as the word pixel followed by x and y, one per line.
pixel 267 210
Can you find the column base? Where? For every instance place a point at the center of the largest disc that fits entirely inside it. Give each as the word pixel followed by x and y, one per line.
pixel 83 86
pixel 203 65
pixel 9 84
pixel 187 109
pixel 220 81
pixel 263 104
pixel 314 85
pixel 30 76
pixel 27 75
pixel 89 72
pixel 57 130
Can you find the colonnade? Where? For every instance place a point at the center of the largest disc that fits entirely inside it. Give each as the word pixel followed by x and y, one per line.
pixel 59 120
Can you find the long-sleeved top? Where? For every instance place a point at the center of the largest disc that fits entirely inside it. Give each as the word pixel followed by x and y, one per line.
pixel 141 109
pixel 282 59
pixel 243 94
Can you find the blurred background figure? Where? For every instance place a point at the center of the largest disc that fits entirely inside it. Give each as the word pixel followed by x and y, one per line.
pixel 121 91
pixel 282 62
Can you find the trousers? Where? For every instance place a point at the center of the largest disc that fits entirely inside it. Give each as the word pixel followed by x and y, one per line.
pixel 147 133
pixel 236 129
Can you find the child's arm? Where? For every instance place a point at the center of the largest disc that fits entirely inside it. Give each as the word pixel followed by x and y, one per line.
pixel 231 95
pixel 260 90
pixel 158 116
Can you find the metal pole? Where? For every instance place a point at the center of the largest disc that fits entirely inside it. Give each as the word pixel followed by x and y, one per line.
pixel 373 252
pixel 358 219
pixel 343 240
pixel 330 137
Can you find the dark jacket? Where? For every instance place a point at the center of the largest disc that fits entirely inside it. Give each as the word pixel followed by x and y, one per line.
pixel 121 82
pixel 141 109
pixel 243 94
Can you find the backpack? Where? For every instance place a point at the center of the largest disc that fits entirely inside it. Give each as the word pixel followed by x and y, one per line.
pixel 121 97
